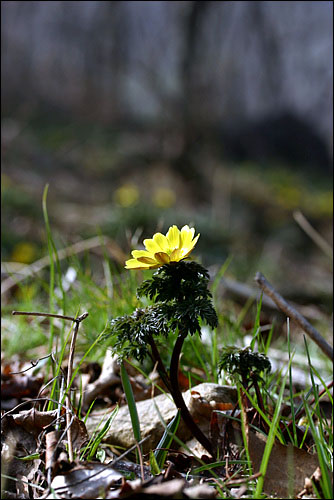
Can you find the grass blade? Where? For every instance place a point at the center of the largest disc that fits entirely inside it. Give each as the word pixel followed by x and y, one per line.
pixel 325 480
pixel 52 266
pixel 271 438
pixel 97 439
pixel 131 403
pixel 167 439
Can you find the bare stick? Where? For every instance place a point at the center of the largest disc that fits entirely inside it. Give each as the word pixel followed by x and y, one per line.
pixel 293 314
pixel 313 234
pixel 69 377
pixel 31 401
pixel 140 455
pixel 33 364
pixel 40 264
pixel 48 315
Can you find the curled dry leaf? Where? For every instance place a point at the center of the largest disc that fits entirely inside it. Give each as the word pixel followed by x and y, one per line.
pixel 34 421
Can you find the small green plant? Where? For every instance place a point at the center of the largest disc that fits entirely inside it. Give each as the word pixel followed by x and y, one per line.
pixel 181 301
pixel 246 367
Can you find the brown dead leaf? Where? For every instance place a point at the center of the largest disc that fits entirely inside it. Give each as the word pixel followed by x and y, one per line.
pixel 34 421
pixel 19 386
pixel 79 433
pixel 17 443
pixel 287 465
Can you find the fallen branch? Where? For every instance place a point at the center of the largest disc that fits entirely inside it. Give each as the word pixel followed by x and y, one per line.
pixel 291 312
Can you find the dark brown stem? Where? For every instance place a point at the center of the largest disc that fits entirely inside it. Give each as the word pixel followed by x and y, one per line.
pixel 261 405
pixel 245 385
pixel 161 368
pixel 178 398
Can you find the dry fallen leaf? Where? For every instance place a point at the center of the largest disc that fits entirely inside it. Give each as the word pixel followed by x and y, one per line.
pixel 33 421
pixel 17 443
pixel 287 468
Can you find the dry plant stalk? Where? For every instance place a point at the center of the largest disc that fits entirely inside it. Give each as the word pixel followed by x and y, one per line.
pixel 292 313
pixel 313 234
pixel 77 322
pixel 69 378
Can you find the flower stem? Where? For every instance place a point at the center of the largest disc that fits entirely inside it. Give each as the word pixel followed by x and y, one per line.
pixel 178 398
pixel 161 369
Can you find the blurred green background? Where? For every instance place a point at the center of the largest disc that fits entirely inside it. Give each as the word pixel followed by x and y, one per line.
pixel 140 115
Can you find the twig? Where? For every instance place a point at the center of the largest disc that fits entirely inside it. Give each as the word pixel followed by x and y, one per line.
pixel 33 364
pixel 31 401
pixel 313 234
pixel 242 480
pixel 32 485
pixel 69 377
pixel 38 265
pixel 140 455
pixel 49 315
pixel 293 314
pixel 77 322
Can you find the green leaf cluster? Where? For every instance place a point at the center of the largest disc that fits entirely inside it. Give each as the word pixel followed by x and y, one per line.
pixel 131 333
pixel 244 362
pixel 184 287
pixel 180 297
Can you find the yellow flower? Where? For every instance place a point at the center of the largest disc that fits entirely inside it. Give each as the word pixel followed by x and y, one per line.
pixel 127 195
pixel 161 249
pixel 164 197
pixel 24 252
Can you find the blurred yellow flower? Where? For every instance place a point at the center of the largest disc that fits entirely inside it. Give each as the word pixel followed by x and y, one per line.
pixel 24 252
pixel 164 197
pixel 161 249
pixel 127 195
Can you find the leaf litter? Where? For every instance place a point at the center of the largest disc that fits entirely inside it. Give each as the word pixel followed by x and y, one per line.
pixel 34 454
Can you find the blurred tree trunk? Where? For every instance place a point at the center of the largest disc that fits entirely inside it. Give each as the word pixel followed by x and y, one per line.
pixel 192 29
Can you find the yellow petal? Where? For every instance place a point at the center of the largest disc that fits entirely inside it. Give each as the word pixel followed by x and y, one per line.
pixel 161 241
pixel 186 250
pixel 176 255
pixel 147 260
pixel 186 236
pixel 135 264
pixel 162 257
pixel 139 254
pixel 152 246
pixel 173 237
